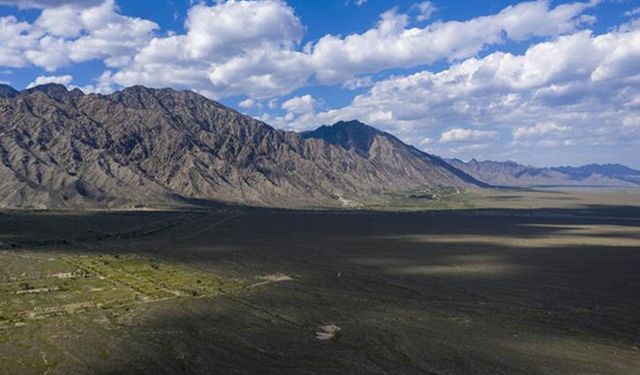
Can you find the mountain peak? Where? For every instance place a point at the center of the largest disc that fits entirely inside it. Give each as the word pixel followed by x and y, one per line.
pixel 144 90
pixel 52 90
pixel 76 92
pixel 138 89
pixel 142 97
pixel 353 123
pixel 7 91
pixel 359 137
pixel 351 135
pixel 49 87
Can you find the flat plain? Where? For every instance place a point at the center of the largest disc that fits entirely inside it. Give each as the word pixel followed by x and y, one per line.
pixel 484 282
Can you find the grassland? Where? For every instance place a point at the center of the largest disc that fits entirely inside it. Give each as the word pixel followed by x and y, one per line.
pixel 487 282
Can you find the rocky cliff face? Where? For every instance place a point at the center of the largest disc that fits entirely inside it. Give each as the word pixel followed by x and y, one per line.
pixel 62 148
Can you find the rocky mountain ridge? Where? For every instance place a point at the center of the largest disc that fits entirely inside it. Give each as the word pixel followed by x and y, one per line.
pixel 141 146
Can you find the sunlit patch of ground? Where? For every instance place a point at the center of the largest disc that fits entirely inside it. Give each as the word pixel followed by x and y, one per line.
pixel 462 265
pixel 37 286
pixel 616 231
pixel 558 236
pixel 456 269
pixel 274 278
pixel 505 198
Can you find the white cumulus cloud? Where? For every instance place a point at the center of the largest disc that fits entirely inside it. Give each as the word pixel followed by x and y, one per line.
pixel 633 12
pixel 425 10
pixel 540 129
pixel 247 103
pixel 393 43
pixel 464 135
pixel 300 104
pixel 253 47
pixel 231 48
pixel 68 34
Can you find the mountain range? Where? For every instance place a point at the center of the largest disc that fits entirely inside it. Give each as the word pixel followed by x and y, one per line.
pixel 62 148
pixel 510 173
pixel 142 146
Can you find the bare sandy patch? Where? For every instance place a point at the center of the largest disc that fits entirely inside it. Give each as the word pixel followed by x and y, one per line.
pixel 327 332
pixel 273 278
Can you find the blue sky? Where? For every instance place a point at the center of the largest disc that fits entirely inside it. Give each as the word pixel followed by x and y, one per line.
pixel 539 82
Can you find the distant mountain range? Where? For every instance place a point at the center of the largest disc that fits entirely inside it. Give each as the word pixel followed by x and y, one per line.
pixel 142 146
pixel 513 174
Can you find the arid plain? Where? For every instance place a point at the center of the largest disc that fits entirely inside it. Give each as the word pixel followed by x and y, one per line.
pixel 489 282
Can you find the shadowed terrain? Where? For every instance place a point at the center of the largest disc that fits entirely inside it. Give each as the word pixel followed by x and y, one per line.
pixel 484 290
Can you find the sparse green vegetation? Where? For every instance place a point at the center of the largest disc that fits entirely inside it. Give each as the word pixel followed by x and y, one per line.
pixel 63 284
pixel 443 198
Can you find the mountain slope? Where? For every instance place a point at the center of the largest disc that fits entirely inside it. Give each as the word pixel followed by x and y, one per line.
pixel 388 152
pixel 157 146
pixel 513 174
